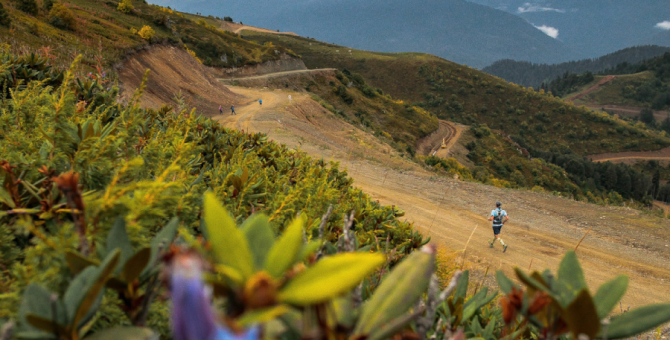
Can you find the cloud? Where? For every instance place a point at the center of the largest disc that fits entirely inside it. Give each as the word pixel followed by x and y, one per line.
pixel 529 8
pixel 665 25
pixel 548 30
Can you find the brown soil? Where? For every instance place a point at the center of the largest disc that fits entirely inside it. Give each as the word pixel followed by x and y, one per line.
pixel 174 70
pixel 632 156
pixel 542 226
pixel 598 85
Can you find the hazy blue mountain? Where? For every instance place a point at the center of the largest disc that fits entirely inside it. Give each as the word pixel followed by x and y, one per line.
pixel 457 30
pixel 595 27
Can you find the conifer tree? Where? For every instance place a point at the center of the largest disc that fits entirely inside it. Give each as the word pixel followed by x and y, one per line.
pixel 655 182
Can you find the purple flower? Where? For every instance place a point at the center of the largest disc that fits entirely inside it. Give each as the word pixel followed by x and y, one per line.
pixel 192 314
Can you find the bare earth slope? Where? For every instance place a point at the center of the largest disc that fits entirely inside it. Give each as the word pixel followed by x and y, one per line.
pixel 542 226
pixel 173 70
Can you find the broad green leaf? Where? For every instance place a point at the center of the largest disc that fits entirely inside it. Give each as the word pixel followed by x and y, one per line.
pixel 581 316
pixel 229 245
pixel 135 265
pixel 637 321
pixel 330 278
pixel 309 249
pixel 232 273
pixel 78 263
pixel 46 325
pixel 262 315
pixel 36 301
pixel 285 251
pixel 397 293
pixel 161 242
pixel 570 278
pixel 124 333
pixel 260 237
pixel 343 311
pixel 472 306
pixel 93 293
pixel 462 285
pixel 504 282
pixel 609 294
pixel 118 238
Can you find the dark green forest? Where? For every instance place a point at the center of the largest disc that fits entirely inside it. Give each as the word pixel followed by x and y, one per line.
pixel 530 74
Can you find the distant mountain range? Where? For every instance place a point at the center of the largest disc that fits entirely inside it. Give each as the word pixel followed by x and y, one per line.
pixel 595 27
pixel 457 30
pixel 529 74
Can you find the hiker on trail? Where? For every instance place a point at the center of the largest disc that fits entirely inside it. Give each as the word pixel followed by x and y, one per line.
pixel 260 101
pixel 220 110
pixel 232 108
pixel 290 100
pixel 499 217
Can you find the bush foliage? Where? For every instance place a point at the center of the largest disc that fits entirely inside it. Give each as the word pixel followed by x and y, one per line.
pixel 147 33
pixel 62 17
pixel 5 20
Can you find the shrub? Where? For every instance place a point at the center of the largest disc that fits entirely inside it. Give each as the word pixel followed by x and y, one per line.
pixel 5 20
pixel 27 6
pixel 62 17
pixel 126 6
pixel 47 4
pixel 147 32
pixel 228 19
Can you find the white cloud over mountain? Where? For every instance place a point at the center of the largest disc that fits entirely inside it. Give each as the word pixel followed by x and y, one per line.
pixel 528 8
pixel 548 30
pixel 664 25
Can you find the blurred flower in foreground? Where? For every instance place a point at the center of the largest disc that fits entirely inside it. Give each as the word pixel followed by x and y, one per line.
pixel 192 314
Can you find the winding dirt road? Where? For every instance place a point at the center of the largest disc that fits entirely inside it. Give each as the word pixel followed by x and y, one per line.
pixel 542 226
pixel 596 86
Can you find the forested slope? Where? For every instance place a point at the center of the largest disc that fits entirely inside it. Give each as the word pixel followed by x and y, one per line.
pixel 466 95
pixel 533 74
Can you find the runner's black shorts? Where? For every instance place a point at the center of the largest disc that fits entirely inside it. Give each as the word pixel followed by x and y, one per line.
pixel 496 230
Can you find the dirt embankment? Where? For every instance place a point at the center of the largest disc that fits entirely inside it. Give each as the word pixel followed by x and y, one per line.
pixel 283 64
pixel 173 70
pixel 591 89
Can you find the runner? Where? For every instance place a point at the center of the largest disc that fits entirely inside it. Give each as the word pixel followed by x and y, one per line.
pixel 260 101
pixel 220 110
pixel 232 108
pixel 499 217
pixel 290 100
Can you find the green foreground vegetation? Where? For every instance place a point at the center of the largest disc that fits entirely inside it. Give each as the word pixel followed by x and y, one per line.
pixel 101 202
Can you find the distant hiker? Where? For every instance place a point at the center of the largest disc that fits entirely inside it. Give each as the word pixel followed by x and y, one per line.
pixel 220 110
pixel 232 108
pixel 499 217
pixel 260 101
pixel 290 100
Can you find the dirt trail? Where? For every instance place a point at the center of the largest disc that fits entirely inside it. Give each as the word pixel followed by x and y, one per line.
pixel 447 134
pixel 632 156
pixel 238 28
pixel 542 226
pixel 598 85
pixel 275 75
pixel 630 111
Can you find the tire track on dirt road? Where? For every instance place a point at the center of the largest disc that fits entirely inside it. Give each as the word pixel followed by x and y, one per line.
pixel 542 226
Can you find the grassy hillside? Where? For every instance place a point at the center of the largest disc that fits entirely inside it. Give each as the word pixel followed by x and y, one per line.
pixel 101 32
pixel 468 96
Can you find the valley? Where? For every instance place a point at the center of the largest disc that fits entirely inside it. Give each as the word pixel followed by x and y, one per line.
pixel 543 226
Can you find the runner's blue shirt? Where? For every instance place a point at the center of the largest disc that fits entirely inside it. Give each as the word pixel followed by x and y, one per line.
pixel 494 213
